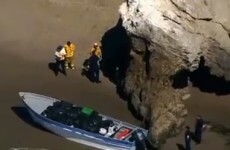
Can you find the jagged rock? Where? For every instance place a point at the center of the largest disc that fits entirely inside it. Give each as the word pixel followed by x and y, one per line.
pixel 169 36
pixel 186 96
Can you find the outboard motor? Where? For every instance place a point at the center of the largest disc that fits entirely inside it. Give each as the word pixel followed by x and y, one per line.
pixel 140 140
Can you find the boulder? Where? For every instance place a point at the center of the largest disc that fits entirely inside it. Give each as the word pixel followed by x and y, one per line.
pixel 168 36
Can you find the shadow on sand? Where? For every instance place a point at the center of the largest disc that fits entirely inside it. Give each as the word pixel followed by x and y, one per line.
pixel 180 146
pixel 85 71
pixel 116 47
pixel 53 66
pixel 202 79
pixel 23 114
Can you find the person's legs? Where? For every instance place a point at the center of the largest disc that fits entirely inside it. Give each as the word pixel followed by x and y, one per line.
pixel 57 65
pixel 92 74
pixel 62 64
pixel 187 145
pixel 198 137
pixel 71 61
pixel 97 72
pixel 67 61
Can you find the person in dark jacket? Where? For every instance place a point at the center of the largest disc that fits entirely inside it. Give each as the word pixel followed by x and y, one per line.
pixel 94 67
pixel 198 129
pixel 187 138
pixel 60 59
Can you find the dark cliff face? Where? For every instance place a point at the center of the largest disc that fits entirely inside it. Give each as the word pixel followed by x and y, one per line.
pixel 150 89
pixel 169 40
pixel 143 77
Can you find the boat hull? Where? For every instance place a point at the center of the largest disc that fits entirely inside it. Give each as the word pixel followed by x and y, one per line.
pixel 77 136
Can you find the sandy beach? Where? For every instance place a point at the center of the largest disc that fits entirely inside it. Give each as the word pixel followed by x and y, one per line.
pixel 30 32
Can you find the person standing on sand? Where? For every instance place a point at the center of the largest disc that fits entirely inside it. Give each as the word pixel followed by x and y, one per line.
pixel 96 48
pixel 70 52
pixel 60 58
pixel 94 67
pixel 187 138
pixel 198 129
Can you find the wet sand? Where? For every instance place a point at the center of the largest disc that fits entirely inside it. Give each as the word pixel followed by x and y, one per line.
pixel 30 32
pixel 213 108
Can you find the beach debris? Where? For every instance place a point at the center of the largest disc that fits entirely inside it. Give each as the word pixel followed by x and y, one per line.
pixel 186 96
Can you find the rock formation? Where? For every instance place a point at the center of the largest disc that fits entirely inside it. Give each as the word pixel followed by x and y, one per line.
pixel 169 36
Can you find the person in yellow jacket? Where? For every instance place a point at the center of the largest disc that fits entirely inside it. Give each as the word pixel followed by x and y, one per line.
pixel 69 57
pixel 96 48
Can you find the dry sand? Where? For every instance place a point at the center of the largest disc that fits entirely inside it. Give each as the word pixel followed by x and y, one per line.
pixel 30 31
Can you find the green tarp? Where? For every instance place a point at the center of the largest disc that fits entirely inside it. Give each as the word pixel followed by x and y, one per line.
pixel 88 111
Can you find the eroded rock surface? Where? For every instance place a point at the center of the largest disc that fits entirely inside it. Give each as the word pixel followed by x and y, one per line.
pixel 169 36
